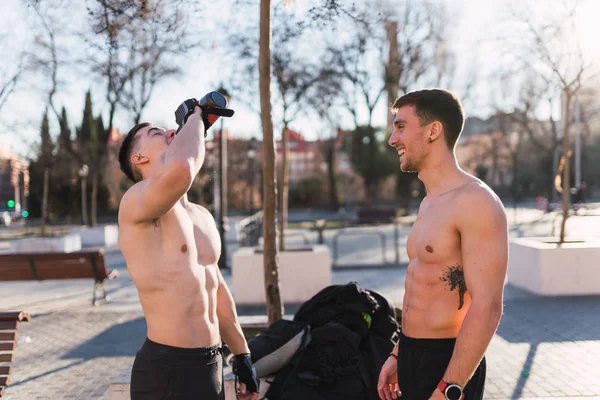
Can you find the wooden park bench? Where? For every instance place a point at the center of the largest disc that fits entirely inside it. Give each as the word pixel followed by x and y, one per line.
pixel 9 324
pixel 46 266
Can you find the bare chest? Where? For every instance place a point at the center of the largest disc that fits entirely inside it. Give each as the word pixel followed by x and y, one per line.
pixel 434 238
pixel 191 231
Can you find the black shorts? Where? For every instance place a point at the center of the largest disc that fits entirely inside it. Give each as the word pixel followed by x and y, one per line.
pixel 166 372
pixel 422 364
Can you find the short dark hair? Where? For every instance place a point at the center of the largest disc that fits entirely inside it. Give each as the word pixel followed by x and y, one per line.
pixel 436 105
pixel 126 150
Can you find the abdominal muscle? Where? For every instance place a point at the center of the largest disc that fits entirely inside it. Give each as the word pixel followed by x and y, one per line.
pixel 430 308
pixel 177 316
pixel 178 297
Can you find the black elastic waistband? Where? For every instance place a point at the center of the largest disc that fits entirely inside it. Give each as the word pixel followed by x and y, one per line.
pixel 158 348
pixel 445 345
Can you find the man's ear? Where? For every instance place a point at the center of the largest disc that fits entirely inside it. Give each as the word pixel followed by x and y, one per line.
pixel 435 131
pixel 138 159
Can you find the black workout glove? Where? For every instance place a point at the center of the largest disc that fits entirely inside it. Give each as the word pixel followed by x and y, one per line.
pixel 186 109
pixel 245 372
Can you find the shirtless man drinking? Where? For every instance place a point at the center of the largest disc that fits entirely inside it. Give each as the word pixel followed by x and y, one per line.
pixel 458 250
pixel 171 247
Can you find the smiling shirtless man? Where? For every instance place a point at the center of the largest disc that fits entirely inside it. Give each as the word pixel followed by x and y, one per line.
pixel 171 247
pixel 458 250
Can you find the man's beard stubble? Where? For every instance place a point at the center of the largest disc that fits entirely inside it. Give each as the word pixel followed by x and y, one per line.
pixel 408 167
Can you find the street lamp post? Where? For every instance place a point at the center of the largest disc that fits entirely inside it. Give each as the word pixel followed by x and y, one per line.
pixel 83 174
pixel 577 142
pixel 251 155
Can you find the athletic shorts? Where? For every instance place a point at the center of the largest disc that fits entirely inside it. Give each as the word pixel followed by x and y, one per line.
pixel 422 364
pixel 166 372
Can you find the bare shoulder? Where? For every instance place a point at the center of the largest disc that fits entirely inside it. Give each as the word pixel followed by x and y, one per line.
pixel 204 212
pixel 200 208
pixel 476 202
pixel 129 201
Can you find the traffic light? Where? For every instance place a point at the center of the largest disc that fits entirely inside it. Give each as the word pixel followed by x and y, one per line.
pixel 25 213
pixel 11 203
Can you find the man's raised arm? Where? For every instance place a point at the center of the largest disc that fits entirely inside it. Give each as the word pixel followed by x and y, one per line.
pixel 175 171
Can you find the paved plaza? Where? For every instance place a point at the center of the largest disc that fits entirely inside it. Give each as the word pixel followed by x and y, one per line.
pixel 544 348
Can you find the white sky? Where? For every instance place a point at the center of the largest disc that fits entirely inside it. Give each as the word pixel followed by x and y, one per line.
pixel 475 26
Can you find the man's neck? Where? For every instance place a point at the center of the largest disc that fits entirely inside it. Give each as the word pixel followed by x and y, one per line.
pixel 440 174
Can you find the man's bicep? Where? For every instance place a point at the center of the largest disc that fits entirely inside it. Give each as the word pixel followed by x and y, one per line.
pixel 484 246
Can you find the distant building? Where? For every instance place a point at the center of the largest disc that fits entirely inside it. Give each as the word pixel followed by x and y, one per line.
pixel 485 148
pixel 304 157
pixel 474 126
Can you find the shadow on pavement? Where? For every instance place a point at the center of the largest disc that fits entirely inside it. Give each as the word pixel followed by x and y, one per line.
pixel 120 340
pixel 33 378
pixel 536 320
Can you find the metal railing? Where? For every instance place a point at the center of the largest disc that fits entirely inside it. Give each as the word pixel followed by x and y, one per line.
pixel 378 233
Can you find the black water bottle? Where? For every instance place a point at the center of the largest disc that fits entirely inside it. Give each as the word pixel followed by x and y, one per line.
pixel 213 105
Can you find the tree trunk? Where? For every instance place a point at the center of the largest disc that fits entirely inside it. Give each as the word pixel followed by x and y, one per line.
pixel 285 186
pixel 251 186
pixel 566 179
pixel 330 159
pixel 94 211
pixel 271 262
pixel 84 218
pixel 45 200
pixel 393 71
pixel 372 183
pixel 223 196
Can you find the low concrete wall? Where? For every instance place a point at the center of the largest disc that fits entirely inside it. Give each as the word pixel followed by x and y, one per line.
pixel 60 244
pixel 544 268
pixel 302 274
pixel 98 236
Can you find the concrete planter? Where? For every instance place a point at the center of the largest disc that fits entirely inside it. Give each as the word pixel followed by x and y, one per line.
pixel 303 273
pixel 59 244
pixel 540 266
pixel 98 236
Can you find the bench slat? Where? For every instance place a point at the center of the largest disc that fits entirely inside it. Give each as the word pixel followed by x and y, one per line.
pixel 8 357
pixel 5 370
pixel 4 380
pixel 66 273
pixel 43 266
pixel 6 325
pixel 8 346
pixel 14 316
pixel 7 264
pixel 50 256
pixel 16 274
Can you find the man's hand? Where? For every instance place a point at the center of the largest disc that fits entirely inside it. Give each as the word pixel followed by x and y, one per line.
pixel 387 385
pixel 437 395
pixel 197 114
pixel 246 374
pixel 243 394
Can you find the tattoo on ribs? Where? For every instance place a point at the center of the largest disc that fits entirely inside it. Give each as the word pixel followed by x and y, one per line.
pixel 454 277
